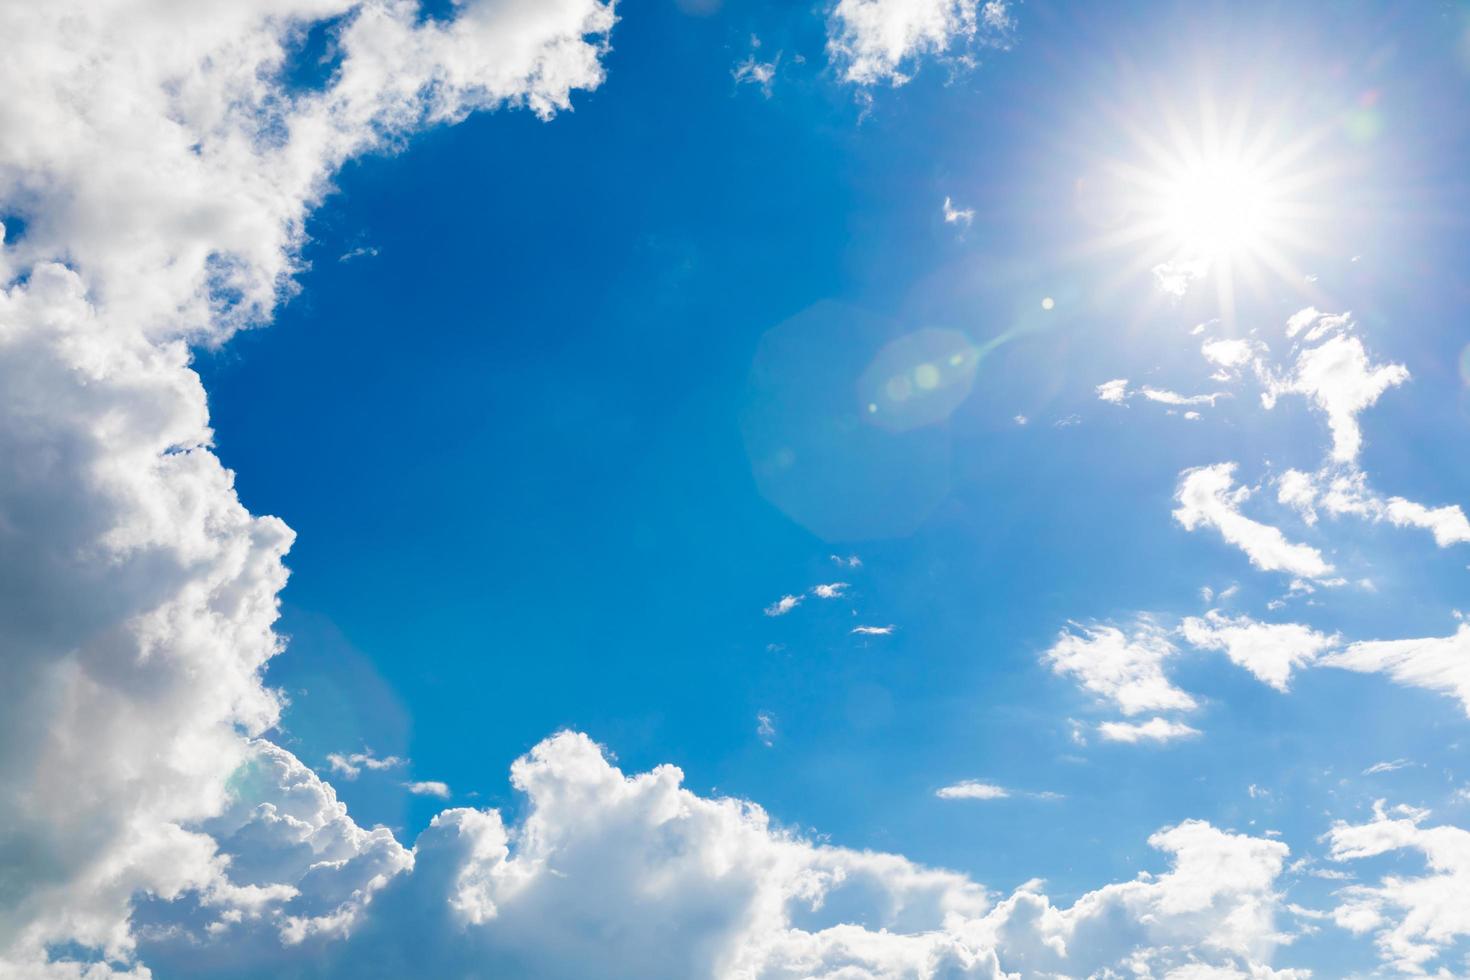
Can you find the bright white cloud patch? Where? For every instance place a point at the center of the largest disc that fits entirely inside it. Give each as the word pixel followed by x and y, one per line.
pixel 971 789
pixel 633 875
pixel 165 176
pixel 1336 376
pixel 1153 730
pixel 829 590
pixel 1125 669
pixel 1208 497
pixel 1440 664
pixel 429 787
pixel 872 41
pixel 1415 920
pixel 783 605
pixel 873 630
pixel 1344 491
pixel 1271 651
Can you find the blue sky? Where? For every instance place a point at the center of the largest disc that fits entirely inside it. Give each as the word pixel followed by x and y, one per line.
pixel 560 409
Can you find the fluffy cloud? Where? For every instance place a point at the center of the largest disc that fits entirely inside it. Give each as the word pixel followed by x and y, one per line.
pixel 1123 668
pixel 1208 497
pixel 1336 376
pixel 1414 920
pixel 1271 651
pixel 429 787
pixel 634 876
pixel 165 173
pixel 872 41
pixel 1439 664
pixel 1344 491
pixel 830 590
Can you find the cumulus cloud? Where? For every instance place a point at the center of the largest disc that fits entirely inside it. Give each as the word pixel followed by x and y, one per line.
pixel 1153 730
pixel 1336 376
pixel 1440 664
pixel 1208 497
pixel 874 41
pixel 165 172
pixel 1415 920
pixel 830 590
pixel 621 875
pixel 1126 669
pixel 1271 651
pixel 1115 391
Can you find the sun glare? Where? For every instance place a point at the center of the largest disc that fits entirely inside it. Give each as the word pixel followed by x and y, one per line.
pixel 1215 193
pixel 1218 209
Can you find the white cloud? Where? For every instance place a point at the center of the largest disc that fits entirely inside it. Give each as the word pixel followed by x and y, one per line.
pixel 1123 668
pixel 351 766
pixel 873 41
pixel 165 176
pixel 957 216
pixel 765 728
pixel 1448 524
pixel 783 605
pixel 873 630
pixel 1153 730
pixel 1337 376
pixel 1166 397
pixel 632 875
pixel 1440 664
pixel 1271 651
pixel 851 561
pixel 971 789
pixel 1380 767
pixel 1230 354
pixel 1115 391
pixel 1208 497
pixel 428 787
pixel 752 71
pixel 1414 920
pixel 830 590
pixel 1344 491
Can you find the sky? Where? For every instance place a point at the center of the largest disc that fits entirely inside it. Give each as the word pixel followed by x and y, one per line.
pixel 853 489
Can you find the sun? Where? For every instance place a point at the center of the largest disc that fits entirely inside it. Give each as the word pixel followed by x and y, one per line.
pixel 1218 194
pixel 1216 209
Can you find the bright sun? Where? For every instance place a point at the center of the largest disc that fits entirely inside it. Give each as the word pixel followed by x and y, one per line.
pixel 1216 210
pixel 1212 194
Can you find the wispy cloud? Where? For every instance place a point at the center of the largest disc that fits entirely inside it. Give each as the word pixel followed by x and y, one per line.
pixel 351 766
pixel 831 590
pixel 873 630
pixel 957 216
pixel 783 605
pixel 1153 730
pixel 765 728
pixel 1379 767
pixel 972 789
